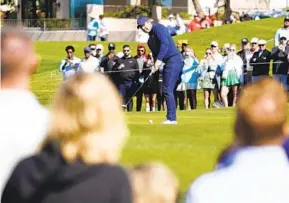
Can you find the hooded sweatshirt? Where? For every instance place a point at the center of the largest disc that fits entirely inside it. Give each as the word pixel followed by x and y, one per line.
pixel 48 178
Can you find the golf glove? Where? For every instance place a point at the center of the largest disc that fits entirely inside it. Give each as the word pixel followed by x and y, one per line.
pixel 156 67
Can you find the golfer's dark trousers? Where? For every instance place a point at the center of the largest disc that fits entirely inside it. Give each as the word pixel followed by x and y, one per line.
pixel 171 79
pixel 139 98
pixel 126 89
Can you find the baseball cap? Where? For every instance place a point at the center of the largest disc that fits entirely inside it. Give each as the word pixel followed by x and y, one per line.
pixel 245 41
pixel 99 46
pixel 141 21
pixel 214 43
pixel 111 46
pixel 262 41
pixel 87 49
pixel 254 40
pixel 286 18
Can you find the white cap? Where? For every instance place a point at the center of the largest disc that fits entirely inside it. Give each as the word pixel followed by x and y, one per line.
pixel 214 43
pixel 99 46
pixel 171 16
pixel 254 40
pixel 262 41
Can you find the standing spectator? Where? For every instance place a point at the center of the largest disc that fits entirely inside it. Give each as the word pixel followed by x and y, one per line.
pixel 279 55
pixel 127 77
pixel 92 27
pixel 92 47
pixel 181 28
pixel 160 96
pixel 254 48
pixel 102 31
pixel 99 52
pixel 23 120
pixel 259 169
pixel 190 76
pixel 207 79
pixel 217 59
pixel 172 24
pixel 245 49
pixel 260 61
pixel 232 75
pixel 88 64
pixel 108 63
pixel 195 24
pixel 141 58
pixel 78 161
pixel 284 31
pixel 150 88
pixel 154 183
pixel 226 49
pixel 69 65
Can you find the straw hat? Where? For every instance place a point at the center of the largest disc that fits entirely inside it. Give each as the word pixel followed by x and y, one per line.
pixel 93 15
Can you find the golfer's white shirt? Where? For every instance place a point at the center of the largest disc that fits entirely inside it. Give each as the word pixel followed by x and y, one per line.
pixel 23 125
pixel 258 175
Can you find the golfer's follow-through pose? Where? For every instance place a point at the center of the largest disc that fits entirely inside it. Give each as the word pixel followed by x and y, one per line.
pixel 164 51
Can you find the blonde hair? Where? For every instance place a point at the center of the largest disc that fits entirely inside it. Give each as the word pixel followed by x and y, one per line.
pixel 87 119
pixel 154 183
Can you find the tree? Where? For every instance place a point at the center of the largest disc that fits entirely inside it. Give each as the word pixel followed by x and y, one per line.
pixel 10 3
pixel 198 8
pixel 228 10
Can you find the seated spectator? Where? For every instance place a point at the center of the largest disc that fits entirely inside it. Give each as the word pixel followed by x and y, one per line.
pixel 78 161
pixel 89 64
pixel 206 22
pixel 153 183
pixel 259 171
pixel 69 65
pixel 195 24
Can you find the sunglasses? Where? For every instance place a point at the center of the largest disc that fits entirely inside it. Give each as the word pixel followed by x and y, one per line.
pixel 253 43
pixel 126 50
pixel 232 50
pixel 209 53
pixel 92 48
pixel 261 45
pixel 140 50
pixel 212 46
pixel 283 38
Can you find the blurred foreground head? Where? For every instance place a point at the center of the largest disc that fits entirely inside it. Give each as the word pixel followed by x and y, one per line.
pixel 262 114
pixel 88 120
pixel 153 183
pixel 18 58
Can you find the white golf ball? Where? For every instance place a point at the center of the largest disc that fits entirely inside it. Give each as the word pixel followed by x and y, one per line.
pixel 150 121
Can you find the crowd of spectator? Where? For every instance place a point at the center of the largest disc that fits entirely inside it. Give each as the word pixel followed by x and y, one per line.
pixel 223 71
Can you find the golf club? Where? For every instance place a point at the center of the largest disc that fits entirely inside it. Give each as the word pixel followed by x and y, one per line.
pixel 125 105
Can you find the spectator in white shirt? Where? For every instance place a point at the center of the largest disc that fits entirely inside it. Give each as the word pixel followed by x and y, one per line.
pixel 23 120
pixel 259 171
pixel 69 65
pixel 103 30
pixel 89 64
pixel 284 31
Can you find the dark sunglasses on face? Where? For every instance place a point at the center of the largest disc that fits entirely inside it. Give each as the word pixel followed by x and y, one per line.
pixel 232 49
pixel 126 50
pixel 140 50
pixel 261 45
pixel 208 53
pixel 253 43
pixel 212 46
pixel 98 50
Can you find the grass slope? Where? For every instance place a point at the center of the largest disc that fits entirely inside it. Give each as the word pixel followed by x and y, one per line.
pixel 189 148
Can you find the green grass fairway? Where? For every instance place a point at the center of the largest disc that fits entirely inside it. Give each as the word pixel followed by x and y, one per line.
pixel 189 148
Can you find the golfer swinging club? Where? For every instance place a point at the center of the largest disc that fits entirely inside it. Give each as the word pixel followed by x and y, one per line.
pixel 164 51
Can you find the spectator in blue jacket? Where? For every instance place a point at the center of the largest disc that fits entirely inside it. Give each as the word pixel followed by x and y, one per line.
pixel 92 27
pixel 164 51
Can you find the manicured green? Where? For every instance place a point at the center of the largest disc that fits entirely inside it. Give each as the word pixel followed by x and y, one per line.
pixel 190 148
